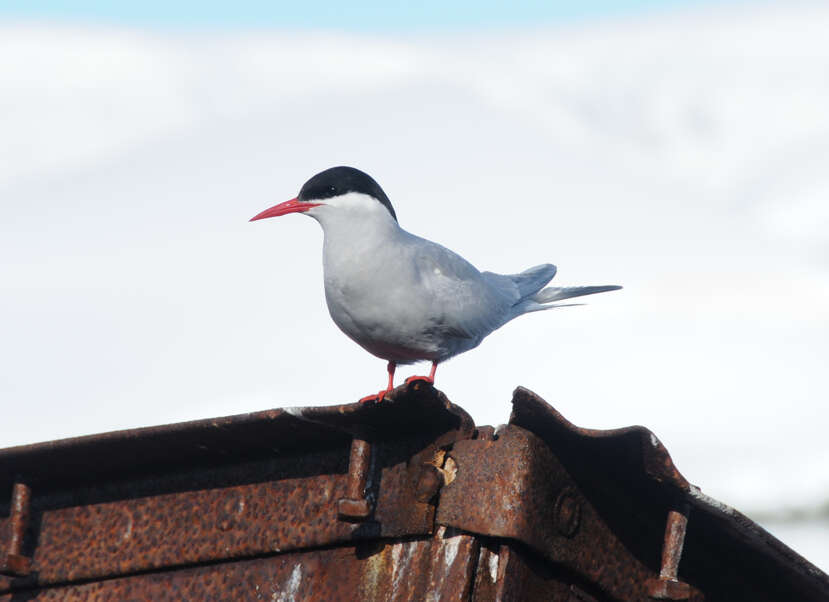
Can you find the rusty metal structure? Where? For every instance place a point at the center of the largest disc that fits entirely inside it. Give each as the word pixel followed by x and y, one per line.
pixel 402 500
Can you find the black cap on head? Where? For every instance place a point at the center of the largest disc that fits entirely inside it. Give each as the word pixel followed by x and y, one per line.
pixel 341 180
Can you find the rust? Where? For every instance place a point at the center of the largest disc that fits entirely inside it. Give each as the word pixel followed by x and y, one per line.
pixel 485 433
pixel 433 476
pixel 511 573
pixel 349 509
pixel 12 561
pixel 358 467
pixel 675 528
pixel 429 482
pixel 667 586
pixel 249 508
pixel 355 506
pixel 233 487
pixel 567 512
pixel 415 407
pixel 514 487
pixel 98 540
pixel 635 447
pixel 668 589
pixel 631 481
pixel 440 567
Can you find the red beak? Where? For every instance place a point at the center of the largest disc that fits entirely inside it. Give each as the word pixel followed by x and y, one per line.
pixel 292 206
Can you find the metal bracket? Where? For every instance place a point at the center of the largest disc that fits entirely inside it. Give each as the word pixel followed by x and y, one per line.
pixel 514 487
pixel 12 562
pixel 413 482
pixel 431 476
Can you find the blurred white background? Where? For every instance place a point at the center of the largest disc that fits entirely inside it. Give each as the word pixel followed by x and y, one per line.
pixel 683 154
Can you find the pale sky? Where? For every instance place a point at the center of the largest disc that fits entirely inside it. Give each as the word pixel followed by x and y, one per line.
pixel 680 154
pixel 363 16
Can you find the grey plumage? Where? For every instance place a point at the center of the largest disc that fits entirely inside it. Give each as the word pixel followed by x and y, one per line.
pixel 401 297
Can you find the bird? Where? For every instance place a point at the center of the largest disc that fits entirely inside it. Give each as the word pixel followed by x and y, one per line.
pixel 401 297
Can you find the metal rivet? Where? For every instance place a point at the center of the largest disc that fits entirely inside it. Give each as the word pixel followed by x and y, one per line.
pixel 567 512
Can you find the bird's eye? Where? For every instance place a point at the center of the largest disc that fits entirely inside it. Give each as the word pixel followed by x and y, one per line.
pixel 332 189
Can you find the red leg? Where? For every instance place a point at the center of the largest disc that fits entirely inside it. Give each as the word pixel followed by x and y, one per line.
pixel 378 397
pixel 390 368
pixel 428 379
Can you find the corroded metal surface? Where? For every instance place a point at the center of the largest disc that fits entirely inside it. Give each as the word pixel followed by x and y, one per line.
pixel 83 542
pixel 522 492
pixel 233 487
pixel 433 568
pixel 631 481
pixel 417 408
pixel 414 408
pixel 345 502
pixel 634 449
pixel 510 573
pixel 760 566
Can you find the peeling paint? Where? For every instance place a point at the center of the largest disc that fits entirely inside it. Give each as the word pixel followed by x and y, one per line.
pixel 242 487
pixel 396 569
pixel 372 575
pixel 402 556
pixel 697 494
pixel 449 471
pixel 289 594
pixel 450 550
pixel 449 543
pixel 493 566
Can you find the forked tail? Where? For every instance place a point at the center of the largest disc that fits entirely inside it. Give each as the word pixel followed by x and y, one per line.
pixel 557 293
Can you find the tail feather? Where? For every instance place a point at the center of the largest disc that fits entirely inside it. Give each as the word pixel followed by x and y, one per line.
pixel 532 279
pixel 531 306
pixel 557 293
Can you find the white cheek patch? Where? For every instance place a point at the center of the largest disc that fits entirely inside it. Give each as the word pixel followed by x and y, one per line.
pixel 355 200
pixel 348 210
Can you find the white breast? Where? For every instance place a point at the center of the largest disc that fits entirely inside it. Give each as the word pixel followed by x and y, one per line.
pixel 400 297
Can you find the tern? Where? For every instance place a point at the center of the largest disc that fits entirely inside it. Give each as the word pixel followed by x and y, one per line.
pixel 401 297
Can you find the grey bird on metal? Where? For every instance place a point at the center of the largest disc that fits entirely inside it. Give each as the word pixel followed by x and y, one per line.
pixel 401 297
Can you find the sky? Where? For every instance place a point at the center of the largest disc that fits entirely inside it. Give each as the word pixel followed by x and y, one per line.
pixel 680 153
pixel 374 16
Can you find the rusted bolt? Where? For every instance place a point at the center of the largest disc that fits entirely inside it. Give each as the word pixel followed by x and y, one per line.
pixel 355 506
pixel 674 541
pixel 667 586
pixel 567 512
pixel 12 561
pixel 358 465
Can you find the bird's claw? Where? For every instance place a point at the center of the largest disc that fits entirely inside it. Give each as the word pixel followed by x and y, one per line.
pixel 376 398
pixel 425 379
